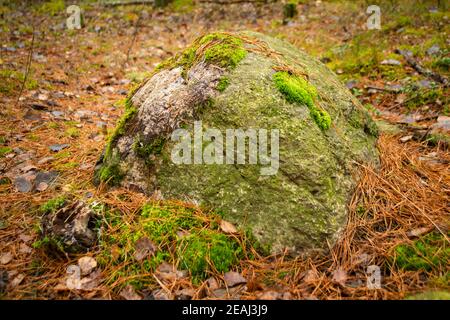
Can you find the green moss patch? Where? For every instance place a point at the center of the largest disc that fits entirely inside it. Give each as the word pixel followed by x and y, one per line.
pixel 146 150
pixel 53 204
pixel 4 151
pixel 224 82
pixel 222 49
pixel 426 253
pixel 181 235
pixel 298 90
pixel 129 113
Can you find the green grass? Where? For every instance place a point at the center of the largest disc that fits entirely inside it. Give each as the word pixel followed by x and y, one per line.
pixel 11 81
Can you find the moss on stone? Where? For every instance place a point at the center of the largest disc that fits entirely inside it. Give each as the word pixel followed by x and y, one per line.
pixel 222 49
pixel 110 173
pixel 224 82
pixel 321 117
pixel 129 113
pixel 226 51
pixel 298 90
pixel 146 151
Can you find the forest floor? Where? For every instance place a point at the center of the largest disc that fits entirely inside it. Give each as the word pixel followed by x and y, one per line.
pixel 74 83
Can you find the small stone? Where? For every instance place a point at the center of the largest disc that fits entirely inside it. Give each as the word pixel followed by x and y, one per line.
pixel 43 96
pixel 426 84
pixel 233 278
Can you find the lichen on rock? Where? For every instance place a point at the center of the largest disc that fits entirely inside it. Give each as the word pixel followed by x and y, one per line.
pixel 234 81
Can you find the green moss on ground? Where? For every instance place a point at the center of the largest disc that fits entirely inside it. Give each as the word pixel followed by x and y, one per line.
pixel 430 295
pixel 53 205
pixel 180 234
pixel 52 7
pixel 4 151
pixel 298 90
pixel 426 253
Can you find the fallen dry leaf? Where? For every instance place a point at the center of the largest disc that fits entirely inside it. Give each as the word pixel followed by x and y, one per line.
pixel 23 248
pixel 6 258
pixel 340 276
pixel 269 295
pixel 87 265
pixel 227 227
pixel 144 248
pixel 128 293
pixel 233 278
pixel 17 280
pixel 418 232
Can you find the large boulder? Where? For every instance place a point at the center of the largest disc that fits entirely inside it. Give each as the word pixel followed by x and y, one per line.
pixel 292 195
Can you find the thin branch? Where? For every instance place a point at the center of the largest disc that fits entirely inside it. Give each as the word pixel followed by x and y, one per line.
pixel 133 40
pixel 416 66
pixel 27 70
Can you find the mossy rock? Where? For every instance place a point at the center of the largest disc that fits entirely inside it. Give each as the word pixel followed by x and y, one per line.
pixel 249 80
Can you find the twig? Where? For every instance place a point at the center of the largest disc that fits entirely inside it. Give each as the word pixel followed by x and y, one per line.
pixel 416 66
pixel 135 33
pixel 27 70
